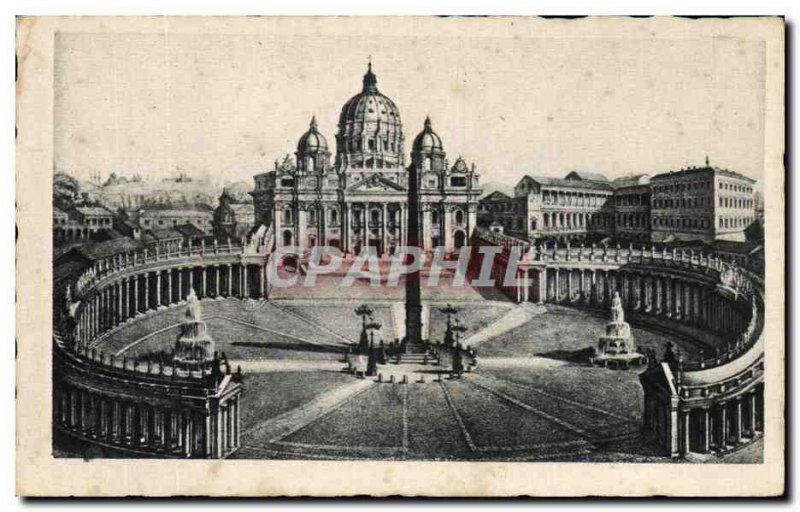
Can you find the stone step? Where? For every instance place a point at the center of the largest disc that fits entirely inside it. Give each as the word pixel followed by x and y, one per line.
pixel 416 358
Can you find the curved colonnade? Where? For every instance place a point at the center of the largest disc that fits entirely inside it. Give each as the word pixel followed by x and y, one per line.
pixel 711 401
pixel 708 402
pixel 147 406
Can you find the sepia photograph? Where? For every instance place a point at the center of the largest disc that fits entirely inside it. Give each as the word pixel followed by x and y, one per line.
pixel 408 242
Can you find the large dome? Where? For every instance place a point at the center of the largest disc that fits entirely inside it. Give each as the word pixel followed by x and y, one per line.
pixel 370 131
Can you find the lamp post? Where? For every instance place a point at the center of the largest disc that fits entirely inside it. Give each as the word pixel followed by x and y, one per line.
pixel 364 311
pixel 449 310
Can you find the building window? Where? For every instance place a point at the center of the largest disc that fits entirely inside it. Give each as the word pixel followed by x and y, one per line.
pixel 458 181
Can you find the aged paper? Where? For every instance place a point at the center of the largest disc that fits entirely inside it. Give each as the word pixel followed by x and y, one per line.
pixel 400 256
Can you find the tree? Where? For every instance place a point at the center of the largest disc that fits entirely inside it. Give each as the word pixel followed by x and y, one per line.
pixel 66 191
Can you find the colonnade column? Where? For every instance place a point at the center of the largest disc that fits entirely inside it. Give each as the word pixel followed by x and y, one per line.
pixel 147 291
pixel 246 289
pixel 686 439
pixel 169 286
pixel 180 284
pixel 158 289
pixel 135 294
pixel 706 430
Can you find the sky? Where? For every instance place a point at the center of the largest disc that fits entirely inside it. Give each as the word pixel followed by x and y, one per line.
pixel 227 106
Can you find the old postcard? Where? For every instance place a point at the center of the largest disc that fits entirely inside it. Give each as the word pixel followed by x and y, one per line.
pixel 400 256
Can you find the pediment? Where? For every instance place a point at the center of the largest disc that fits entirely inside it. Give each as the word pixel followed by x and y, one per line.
pixel 375 183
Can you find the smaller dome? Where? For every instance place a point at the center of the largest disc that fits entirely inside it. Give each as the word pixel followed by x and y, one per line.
pixel 427 140
pixel 312 141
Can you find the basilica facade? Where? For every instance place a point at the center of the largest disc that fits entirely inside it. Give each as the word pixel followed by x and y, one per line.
pixel 358 197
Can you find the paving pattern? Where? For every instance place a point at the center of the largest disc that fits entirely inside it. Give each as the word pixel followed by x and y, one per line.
pixel 524 402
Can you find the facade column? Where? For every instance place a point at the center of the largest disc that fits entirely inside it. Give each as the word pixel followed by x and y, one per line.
pixel 344 227
pixel 230 280
pixel 426 228
pixel 403 224
pixel 191 281
pixel 751 402
pixel 706 430
pixel 384 231
pixel 246 289
pixel 216 281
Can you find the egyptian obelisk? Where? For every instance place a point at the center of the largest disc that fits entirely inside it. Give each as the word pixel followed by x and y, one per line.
pixel 413 300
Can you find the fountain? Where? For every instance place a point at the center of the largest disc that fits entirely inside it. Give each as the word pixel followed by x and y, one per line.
pixel 616 348
pixel 194 345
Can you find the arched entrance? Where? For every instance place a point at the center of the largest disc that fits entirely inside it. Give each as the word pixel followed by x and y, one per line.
pixel 459 239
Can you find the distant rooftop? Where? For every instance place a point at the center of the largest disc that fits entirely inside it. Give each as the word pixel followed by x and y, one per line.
pixel 571 183
pixel 586 176
pixel 704 169
pixel 92 210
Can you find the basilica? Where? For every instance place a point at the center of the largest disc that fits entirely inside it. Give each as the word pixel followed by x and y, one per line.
pixel 360 199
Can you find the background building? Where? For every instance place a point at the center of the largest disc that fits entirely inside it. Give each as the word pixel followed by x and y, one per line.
pixel 235 215
pixel 632 207
pixel 165 216
pixel 701 203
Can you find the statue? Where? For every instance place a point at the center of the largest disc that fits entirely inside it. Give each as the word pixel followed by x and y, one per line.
pixel 617 313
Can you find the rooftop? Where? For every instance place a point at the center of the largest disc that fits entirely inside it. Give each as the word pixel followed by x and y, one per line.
pixel 108 248
pixel 700 170
pixel 631 181
pixel 571 183
pixel 189 230
pixel 92 210
pixel 586 176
